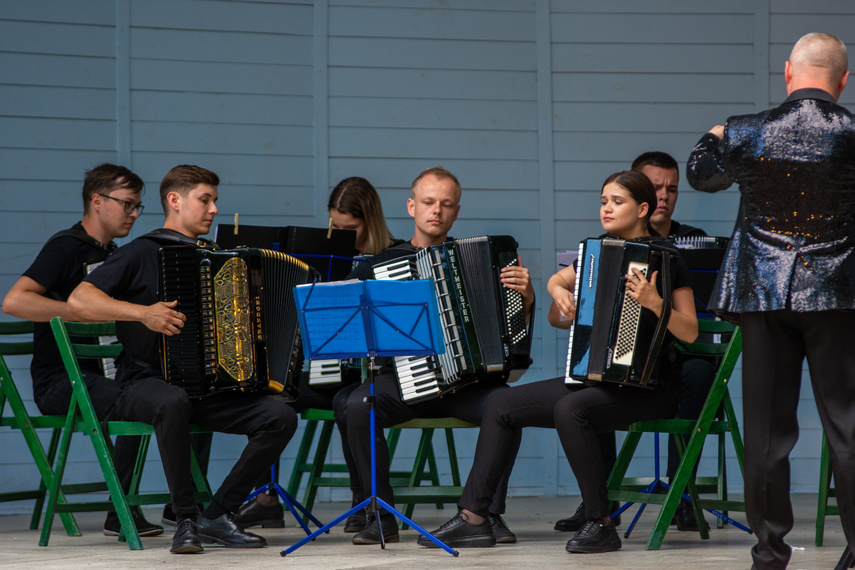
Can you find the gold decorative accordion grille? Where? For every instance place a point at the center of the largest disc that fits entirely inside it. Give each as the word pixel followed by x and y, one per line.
pixel 234 329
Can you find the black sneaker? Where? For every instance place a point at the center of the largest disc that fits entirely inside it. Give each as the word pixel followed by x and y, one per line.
pixel 684 517
pixel 594 537
pixel 457 533
pixel 503 534
pixel 370 536
pixel 112 526
pixel 574 522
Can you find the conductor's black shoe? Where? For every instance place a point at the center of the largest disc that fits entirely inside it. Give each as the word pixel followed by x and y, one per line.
pixel 253 513
pixel 186 538
pixel 684 516
pixel 457 533
pixel 594 537
pixel 112 526
pixel 503 534
pixel 369 534
pixel 356 522
pixel 574 522
pixel 224 530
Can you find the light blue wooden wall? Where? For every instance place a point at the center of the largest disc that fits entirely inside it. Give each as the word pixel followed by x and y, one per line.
pixel 531 103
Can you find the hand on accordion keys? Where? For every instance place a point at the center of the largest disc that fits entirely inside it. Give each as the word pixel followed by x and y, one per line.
pixel 162 317
pixel 516 277
pixel 644 291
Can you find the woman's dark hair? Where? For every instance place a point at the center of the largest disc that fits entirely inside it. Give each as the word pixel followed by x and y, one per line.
pixel 357 197
pixel 640 188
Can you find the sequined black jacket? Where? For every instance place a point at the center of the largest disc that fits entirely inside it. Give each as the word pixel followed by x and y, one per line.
pixel 793 246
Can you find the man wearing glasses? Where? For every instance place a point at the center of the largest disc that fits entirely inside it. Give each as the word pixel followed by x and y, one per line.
pixel 111 205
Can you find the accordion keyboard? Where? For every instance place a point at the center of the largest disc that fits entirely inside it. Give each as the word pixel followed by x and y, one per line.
pixel 324 372
pixel 418 376
pixel 579 270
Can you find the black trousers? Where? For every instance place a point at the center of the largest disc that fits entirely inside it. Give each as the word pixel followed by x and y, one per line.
pixel 268 422
pixel 467 405
pixel 579 414
pixel 774 346
pixel 104 394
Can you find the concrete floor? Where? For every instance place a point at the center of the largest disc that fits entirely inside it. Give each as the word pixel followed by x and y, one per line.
pixel 531 518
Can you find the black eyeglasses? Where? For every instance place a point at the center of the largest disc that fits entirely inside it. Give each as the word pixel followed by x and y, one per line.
pixel 127 204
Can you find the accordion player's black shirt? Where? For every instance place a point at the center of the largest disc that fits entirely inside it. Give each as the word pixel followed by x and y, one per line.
pixel 131 274
pixel 60 267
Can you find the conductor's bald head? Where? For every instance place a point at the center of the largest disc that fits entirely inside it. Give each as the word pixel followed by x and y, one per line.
pixel 818 60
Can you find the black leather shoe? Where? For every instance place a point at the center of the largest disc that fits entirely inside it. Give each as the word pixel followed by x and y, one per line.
pixel 356 522
pixel 112 526
pixel 503 534
pixel 224 530
pixel 684 516
pixel 593 537
pixel 186 538
pixel 457 533
pixel 253 513
pixel 574 522
pixel 370 536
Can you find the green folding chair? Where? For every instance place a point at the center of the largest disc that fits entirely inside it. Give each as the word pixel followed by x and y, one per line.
pixel 622 488
pixel 82 418
pixel 28 424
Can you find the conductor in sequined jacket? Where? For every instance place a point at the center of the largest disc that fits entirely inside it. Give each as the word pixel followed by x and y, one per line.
pixel 789 278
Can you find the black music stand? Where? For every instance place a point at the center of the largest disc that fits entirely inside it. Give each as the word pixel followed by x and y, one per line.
pixel 369 319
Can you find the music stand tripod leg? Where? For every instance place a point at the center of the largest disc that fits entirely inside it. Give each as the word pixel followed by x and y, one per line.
pixel 374 502
pixel 290 502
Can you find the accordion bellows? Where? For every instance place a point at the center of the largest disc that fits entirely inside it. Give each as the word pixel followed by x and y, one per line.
pixel 241 330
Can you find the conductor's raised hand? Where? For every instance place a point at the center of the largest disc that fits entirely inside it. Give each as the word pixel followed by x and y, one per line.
pixel 162 317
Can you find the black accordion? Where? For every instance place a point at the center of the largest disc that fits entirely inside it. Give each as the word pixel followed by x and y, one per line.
pixel 241 330
pixel 483 322
pixel 613 338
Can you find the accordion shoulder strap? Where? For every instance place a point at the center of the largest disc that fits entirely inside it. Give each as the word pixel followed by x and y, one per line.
pixel 662 325
pixel 171 237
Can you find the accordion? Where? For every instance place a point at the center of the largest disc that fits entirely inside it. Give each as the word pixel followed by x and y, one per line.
pixel 241 330
pixel 613 338
pixel 483 322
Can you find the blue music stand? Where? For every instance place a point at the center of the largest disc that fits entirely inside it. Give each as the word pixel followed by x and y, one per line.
pixel 369 319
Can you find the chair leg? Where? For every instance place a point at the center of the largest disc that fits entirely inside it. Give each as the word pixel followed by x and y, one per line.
pixel 302 457
pixel 318 464
pixel 424 451
pixel 40 500
pixel 55 485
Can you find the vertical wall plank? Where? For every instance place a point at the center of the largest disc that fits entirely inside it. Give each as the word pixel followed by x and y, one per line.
pixel 320 92
pixel 124 151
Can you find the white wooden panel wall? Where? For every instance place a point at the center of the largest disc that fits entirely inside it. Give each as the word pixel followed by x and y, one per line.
pixel 531 103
